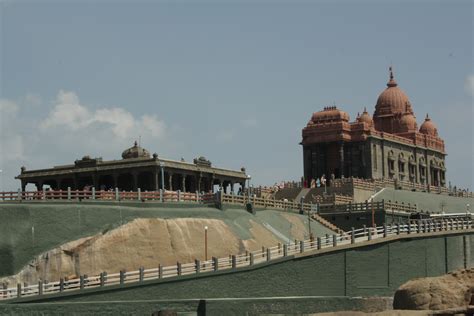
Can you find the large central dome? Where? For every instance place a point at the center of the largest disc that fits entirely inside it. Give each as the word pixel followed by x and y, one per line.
pixel 392 100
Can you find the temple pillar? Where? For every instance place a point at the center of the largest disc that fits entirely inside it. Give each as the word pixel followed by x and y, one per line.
pixel 23 185
pixel 156 180
pixel 184 183
pixel 170 181
pixel 232 187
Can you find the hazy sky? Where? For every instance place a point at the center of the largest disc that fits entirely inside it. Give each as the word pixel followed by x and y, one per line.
pixel 233 81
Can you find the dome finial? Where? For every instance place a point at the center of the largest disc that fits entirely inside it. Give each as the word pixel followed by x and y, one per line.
pixel 427 118
pixel 365 109
pixel 391 82
pixel 135 144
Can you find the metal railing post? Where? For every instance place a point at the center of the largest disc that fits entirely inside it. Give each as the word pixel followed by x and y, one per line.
pixel 285 250
pixel 334 240
pixel 252 259
pixel 141 274
pixel 139 194
pixel 384 230
pixel 161 195
pixel 318 242
pixel 301 246
pixel 18 290
pixel 61 285
pixel 160 271
pixel 81 282
pixel 40 287
pixel 369 233
pixel 117 194
pixel 398 228
pixel 353 236
pixel 69 193
pixel 269 254
pixel 93 193
pixel 179 195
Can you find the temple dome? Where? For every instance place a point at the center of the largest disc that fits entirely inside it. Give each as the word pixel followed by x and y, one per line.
pixel 329 114
pixel 428 127
pixel 135 152
pixel 392 100
pixel 408 123
pixel 365 118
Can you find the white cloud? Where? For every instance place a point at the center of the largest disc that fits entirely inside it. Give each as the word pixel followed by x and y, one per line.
pixel 469 85
pixel 40 139
pixel 7 107
pixel 69 114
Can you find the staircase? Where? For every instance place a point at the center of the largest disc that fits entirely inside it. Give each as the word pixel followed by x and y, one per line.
pixel 326 223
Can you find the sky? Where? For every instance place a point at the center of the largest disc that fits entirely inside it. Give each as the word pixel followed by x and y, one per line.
pixel 232 81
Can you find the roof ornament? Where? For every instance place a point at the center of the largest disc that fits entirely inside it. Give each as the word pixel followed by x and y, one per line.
pixel 391 82
pixel 427 118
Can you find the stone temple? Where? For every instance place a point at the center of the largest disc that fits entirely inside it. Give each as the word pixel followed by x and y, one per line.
pixel 388 144
pixel 137 169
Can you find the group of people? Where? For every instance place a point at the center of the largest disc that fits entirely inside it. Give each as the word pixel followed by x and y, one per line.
pixel 315 183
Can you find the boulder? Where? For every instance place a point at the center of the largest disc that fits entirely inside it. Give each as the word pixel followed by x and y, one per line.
pixel 452 290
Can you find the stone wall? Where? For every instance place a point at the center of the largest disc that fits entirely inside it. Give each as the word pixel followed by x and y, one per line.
pixel 375 268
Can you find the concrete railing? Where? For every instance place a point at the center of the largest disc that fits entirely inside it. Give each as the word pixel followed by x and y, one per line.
pixel 111 195
pixel 233 262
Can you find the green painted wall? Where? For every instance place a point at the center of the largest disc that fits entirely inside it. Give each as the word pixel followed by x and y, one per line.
pixel 29 229
pixel 218 307
pixel 377 268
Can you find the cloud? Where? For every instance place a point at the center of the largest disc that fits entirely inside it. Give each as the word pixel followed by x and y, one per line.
pixel 38 138
pixel 469 85
pixel 7 107
pixel 69 114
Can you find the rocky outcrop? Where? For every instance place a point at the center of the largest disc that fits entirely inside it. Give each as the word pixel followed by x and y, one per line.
pixel 453 290
pixel 148 242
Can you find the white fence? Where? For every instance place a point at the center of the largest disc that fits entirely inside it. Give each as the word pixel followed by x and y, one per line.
pixel 233 262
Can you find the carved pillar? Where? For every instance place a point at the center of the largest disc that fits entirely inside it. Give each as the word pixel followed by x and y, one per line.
pixel 156 180
pixel 198 182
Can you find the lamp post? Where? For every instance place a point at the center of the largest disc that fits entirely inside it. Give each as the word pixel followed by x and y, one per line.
pixel 205 243
pixel 162 166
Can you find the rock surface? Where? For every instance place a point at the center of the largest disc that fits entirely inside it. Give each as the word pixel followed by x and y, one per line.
pixel 436 293
pixel 148 242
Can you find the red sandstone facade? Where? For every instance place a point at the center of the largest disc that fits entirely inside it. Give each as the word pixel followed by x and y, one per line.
pixel 387 145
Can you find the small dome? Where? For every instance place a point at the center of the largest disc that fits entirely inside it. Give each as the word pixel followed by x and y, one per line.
pixel 135 152
pixel 428 127
pixel 329 114
pixel 365 118
pixel 392 100
pixel 408 123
